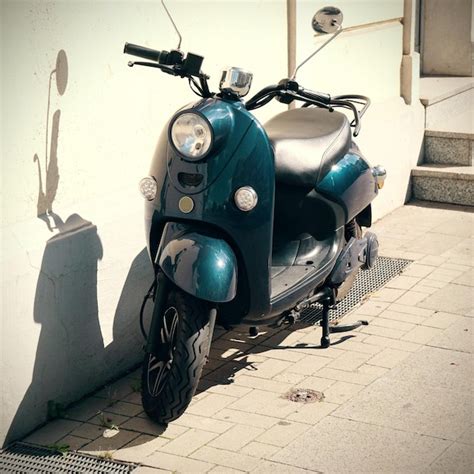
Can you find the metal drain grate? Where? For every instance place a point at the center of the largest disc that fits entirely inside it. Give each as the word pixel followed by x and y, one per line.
pixel 25 458
pixel 367 281
pixel 304 395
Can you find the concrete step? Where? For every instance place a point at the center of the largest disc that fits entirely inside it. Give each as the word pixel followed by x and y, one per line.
pixel 449 148
pixel 441 183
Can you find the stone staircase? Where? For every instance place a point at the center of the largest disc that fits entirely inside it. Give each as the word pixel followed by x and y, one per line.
pixel 447 172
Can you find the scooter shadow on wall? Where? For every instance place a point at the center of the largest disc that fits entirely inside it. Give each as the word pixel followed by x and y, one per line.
pixel 49 186
pixel 65 302
pixel 126 349
pixel 65 306
pixel 71 359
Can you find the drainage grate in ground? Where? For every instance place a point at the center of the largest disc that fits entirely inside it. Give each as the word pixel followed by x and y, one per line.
pixel 304 395
pixel 25 459
pixel 367 282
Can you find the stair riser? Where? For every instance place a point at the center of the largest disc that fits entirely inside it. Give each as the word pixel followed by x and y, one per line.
pixel 450 111
pixel 447 190
pixel 449 151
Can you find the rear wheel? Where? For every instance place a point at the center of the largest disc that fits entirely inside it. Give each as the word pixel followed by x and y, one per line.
pixel 170 378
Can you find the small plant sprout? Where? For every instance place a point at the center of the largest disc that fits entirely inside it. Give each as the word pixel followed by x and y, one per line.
pixel 62 449
pixel 106 421
pixel 106 455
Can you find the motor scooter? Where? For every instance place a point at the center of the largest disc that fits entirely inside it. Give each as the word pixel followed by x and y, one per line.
pixel 248 223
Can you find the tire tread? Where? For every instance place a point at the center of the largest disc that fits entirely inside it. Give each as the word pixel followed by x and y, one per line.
pixel 189 359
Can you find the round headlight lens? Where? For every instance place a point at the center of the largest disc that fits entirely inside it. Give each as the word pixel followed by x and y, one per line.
pixel 246 198
pixel 191 135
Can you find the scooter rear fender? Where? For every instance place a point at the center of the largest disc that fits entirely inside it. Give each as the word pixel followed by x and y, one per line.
pixel 202 265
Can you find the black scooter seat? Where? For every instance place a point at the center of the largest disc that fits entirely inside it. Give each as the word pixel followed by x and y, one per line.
pixel 305 138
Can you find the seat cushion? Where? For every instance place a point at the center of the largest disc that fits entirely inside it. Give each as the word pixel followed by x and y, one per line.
pixel 305 140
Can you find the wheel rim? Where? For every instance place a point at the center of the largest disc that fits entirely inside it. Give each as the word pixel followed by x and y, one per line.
pixel 158 368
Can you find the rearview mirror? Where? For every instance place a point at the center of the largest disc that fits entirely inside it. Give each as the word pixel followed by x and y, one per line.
pixel 327 20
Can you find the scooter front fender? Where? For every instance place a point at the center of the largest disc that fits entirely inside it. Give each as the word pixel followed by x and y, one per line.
pixel 203 266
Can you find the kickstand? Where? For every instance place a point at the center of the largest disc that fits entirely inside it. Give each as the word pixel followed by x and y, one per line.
pixel 325 341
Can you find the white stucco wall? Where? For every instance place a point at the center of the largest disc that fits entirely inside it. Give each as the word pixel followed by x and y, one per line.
pixel 71 298
pixel 71 294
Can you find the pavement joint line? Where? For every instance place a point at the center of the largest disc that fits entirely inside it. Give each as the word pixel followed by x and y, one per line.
pixel 390 428
pixel 158 469
pixel 450 349
pixel 441 454
pixel 246 412
pixel 291 465
pixel 460 284
pixel 236 379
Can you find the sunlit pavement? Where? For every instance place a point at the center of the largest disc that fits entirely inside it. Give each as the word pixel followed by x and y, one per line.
pixel 398 394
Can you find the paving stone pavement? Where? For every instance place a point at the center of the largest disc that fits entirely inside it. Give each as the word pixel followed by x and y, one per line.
pixel 398 393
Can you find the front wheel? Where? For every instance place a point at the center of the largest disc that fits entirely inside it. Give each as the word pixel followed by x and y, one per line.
pixel 170 377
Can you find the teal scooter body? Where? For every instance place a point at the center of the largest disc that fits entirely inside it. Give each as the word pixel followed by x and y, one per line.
pixel 248 224
pixel 219 245
pixel 210 248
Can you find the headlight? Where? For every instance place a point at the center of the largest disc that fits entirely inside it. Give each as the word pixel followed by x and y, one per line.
pixel 191 135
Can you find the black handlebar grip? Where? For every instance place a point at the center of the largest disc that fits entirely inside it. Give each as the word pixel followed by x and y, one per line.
pixel 325 98
pixel 142 52
pixel 318 96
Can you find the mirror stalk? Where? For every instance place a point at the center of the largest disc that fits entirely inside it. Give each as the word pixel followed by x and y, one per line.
pixel 174 25
pixel 338 32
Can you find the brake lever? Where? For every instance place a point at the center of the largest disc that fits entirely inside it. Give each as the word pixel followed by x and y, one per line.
pixel 163 68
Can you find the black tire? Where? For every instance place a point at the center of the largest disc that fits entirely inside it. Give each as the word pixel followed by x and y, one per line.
pixel 168 385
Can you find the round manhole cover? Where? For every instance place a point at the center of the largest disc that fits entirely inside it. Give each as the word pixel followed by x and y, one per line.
pixel 304 395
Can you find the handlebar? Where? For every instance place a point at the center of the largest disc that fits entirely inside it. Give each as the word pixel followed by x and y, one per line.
pixel 317 96
pixel 145 53
pixel 288 90
pixel 166 58
pixel 172 62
